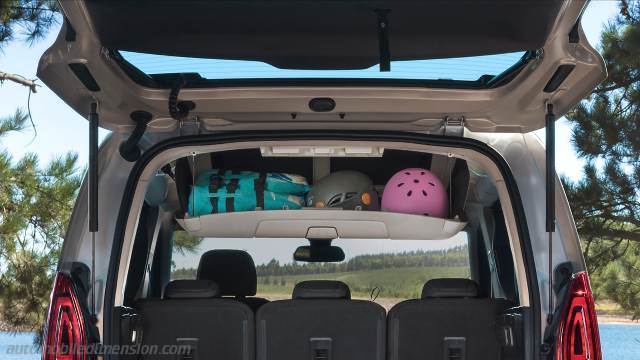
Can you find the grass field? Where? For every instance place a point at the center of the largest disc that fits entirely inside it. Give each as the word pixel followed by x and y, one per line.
pixel 395 285
pixel 392 283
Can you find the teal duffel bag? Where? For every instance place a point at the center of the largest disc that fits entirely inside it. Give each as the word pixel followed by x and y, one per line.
pixel 213 193
pixel 272 181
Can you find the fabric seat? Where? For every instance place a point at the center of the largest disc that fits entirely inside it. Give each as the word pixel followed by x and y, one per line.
pixel 321 322
pixel 235 274
pixel 192 315
pixel 448 322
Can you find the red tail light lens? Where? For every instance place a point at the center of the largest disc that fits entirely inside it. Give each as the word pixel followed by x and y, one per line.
pixel 578 336
pixel 64 337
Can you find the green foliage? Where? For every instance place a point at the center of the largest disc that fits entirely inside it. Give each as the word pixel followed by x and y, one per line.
pixel 35 200
pixel 606 202
pixel 398 283
pixel 457 256
pixel 29 18
pixel 183 274
pixel 15 122
pixel 184 243
pixel 35 205
pixel 620 281
pixel 399 275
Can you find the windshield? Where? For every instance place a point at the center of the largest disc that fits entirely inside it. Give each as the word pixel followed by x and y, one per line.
pixel 456 69
pixel 388 271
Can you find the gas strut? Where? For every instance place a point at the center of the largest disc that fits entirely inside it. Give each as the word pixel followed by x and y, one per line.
pixel 383 39
pixel 93 196
pixel 550 195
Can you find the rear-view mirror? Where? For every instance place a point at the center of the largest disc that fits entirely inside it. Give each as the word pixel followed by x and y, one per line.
pixel 319 252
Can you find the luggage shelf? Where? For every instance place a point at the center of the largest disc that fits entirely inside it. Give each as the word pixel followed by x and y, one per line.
pixel 344 224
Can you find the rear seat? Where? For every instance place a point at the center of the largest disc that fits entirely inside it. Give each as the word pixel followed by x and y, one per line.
pixel 191 313
pixel 235 274
pixel 448 322
pixel 321 322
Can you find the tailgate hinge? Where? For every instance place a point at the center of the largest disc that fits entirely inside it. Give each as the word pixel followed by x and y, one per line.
pixel 190 126
pixel 453 126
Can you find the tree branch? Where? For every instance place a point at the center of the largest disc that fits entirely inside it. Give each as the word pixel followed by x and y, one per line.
pixel 615 86
pixel 620 234
pixel 19 79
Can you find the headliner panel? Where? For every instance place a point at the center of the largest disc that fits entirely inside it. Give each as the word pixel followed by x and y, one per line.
pixel 322 35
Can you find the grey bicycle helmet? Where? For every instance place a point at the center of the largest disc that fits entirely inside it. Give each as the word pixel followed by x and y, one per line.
pixel 349 190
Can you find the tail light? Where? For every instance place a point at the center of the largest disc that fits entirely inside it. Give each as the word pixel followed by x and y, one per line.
pixel 64 337
pixel 578 337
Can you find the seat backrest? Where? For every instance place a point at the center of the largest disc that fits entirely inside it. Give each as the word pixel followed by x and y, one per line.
pixel 321 322
pixel 192 315
pixel 234 272
pixel 448 322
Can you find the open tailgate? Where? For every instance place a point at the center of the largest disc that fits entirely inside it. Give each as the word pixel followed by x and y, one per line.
pixel 84 64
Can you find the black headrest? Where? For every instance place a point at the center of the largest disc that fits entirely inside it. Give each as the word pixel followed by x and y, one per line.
pixel 450 288
pixel 191 289
pixel 321 289
pixel 233 271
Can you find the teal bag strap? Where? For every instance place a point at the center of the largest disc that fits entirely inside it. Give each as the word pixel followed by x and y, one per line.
pixel 232 186
pixel 258 185
pixel 216 183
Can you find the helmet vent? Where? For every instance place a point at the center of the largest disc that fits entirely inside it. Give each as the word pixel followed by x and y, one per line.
pixel 424 193
pixel 432 184
pixel 399 185
pixel 407 173
pixel 334 200
pixel 416 181
pixel 410 192
pixel 422 173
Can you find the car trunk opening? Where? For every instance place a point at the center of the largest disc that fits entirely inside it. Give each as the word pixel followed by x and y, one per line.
pixel 489 299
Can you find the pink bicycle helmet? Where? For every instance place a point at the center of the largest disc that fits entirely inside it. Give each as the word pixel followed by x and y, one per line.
pixel 415 191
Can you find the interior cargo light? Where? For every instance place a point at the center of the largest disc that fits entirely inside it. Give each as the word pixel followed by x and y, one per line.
pixel 322 151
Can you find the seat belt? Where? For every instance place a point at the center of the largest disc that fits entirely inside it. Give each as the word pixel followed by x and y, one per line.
pixel 201 163
pixel 143 291
pixel 487 235
pixel 442 166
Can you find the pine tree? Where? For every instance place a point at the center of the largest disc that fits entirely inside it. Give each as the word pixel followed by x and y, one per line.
pixel 606 202
pixel 35 199
pixel 26 20
pixel 35 205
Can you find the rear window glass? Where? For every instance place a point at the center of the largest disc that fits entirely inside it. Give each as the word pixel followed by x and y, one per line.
pixel 462 69
pixel 388 271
